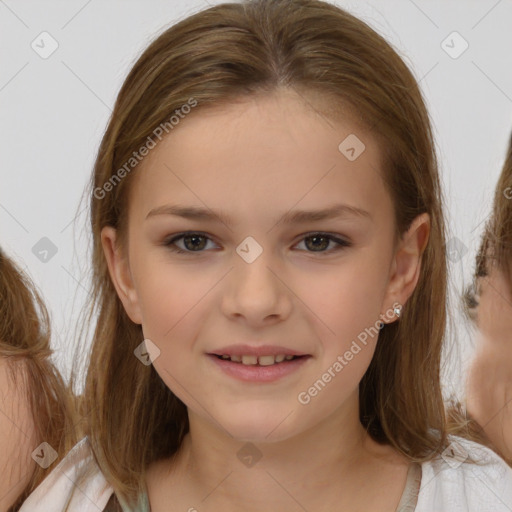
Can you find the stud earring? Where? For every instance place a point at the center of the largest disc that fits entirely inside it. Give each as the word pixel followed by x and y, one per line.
pixel 397 310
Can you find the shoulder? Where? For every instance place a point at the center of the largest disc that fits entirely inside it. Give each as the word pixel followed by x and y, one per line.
pixel 75 484
pixel 17 432
pixel 452 482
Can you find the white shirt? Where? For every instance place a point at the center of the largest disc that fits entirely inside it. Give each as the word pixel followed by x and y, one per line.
pixel 448 483
pixel 62 490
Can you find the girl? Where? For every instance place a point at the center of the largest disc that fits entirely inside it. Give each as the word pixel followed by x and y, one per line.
pixel 489 305
pixel 36 415
pixel 270 280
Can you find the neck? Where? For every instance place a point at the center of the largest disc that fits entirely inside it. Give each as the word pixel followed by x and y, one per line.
pixel 221 472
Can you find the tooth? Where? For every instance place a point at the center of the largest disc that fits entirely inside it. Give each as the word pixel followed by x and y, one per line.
pixel 266 360
pixel 249 359
pixel 236 359
pixel 225 357
pixel 279 358
pixel 288 357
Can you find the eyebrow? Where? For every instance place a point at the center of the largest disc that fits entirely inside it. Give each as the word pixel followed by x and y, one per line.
pixel 291 217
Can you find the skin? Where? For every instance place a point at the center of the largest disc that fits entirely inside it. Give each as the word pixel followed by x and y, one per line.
pixel 271 155
pixel 489 384
pixel 17 438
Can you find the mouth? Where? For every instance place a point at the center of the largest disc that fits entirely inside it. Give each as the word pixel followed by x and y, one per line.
pixel 262 367
pixel 263 360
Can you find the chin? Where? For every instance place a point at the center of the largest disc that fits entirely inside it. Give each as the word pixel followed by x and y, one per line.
pixel 255 428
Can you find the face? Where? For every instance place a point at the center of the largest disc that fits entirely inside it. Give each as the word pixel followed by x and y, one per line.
pixel 257 278
pixel 490 374
pixel 494 315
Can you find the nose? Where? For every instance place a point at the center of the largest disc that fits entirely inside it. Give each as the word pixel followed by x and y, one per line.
pixel 257 291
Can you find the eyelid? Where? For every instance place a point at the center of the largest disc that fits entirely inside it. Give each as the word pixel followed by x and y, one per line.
pixel 170 241
pixel 340 241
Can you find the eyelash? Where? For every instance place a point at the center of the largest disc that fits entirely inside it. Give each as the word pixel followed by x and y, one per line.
pixel 342 244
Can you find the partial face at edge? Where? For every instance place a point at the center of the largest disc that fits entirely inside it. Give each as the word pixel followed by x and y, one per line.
pixel 314 288
pixel 489 384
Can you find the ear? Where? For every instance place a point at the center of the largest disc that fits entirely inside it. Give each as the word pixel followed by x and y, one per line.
pixel 406 264
pixel 120 274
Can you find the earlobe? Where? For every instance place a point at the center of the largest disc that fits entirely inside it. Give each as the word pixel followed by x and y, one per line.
pixel 120 274
pixel 407 262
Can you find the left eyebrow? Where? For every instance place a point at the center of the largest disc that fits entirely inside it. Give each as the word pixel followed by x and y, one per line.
pixel 291 217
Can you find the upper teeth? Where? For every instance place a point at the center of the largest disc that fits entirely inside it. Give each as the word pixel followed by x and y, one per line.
pixel 261 360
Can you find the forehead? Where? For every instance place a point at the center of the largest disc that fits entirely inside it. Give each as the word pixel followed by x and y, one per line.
pixel 278 149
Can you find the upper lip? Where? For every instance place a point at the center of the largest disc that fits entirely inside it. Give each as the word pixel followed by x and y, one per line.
pixel 260 350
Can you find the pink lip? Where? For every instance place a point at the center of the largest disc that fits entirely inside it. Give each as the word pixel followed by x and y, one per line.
pixel 261 350
pixel 256 373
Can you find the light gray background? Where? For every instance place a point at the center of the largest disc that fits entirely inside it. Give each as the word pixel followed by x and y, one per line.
pixel 54 112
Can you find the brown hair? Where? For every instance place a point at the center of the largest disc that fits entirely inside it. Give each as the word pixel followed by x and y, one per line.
pixel 218 56
pixel 25 344
pixel 496 241
pixel 495 250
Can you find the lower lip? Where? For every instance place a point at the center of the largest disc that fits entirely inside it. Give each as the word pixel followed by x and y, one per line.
pixel 257 373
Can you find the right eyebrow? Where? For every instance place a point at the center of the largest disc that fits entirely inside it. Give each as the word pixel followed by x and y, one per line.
pixel 291 217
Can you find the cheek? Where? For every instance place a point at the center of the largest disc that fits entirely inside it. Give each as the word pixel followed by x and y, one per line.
pixel 344 305
pixel 169 296
pixel 349 297
pixel 494 317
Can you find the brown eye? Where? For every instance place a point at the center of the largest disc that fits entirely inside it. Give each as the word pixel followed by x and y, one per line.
pixel 320 242
pixel 191 242
pixel 317 242
pixel 194 242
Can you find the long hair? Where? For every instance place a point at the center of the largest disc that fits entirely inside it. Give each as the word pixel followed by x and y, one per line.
pixel 496 244
pixel 25 345
pixel 217 56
